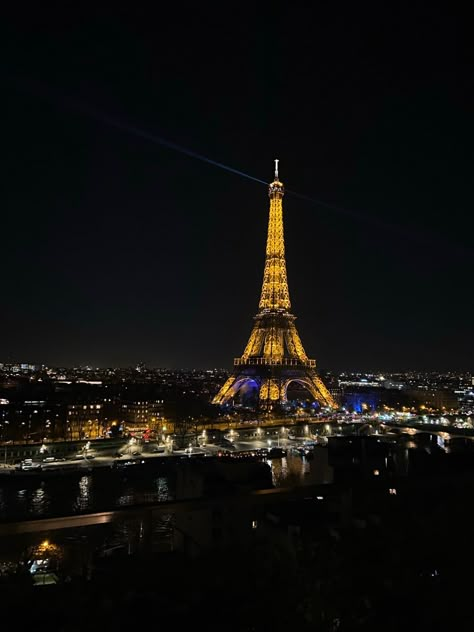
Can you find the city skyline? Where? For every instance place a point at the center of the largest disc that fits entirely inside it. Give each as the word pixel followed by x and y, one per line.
pixel 236 332
pixel 122 250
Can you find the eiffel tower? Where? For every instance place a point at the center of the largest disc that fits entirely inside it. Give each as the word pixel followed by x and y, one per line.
pixel 274 356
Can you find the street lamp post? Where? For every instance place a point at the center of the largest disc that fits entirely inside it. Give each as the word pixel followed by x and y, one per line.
pixel 168 445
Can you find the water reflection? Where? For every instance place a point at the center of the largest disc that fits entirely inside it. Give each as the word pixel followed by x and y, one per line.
pixel 79 494
pixel 290 470
pixel 306 467
pixel 84 498
pixel 148 490
pixel 162 489
pixel 127 536
pixel 34 502
pixel 40 501
pixel 21 499
pixel 127 497
pixel 343 460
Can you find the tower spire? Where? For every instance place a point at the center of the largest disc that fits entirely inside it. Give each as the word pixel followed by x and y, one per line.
pixel 275 295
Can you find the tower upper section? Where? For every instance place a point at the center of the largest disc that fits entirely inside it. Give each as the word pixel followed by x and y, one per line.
pixel 275 296
pixel 275 188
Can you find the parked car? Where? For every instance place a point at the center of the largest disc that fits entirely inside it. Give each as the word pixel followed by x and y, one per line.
pixel 28 464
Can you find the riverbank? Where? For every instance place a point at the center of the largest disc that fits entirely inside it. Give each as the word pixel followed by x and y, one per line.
pixel 139 463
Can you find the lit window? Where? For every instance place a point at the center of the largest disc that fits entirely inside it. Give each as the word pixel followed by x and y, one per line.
pixel 376 472
pixel 392 491
pixel 254 524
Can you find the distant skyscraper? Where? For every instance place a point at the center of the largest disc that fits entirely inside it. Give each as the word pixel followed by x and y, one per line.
pixel 274 356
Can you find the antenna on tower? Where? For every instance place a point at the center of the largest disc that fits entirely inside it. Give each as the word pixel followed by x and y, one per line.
pixel 276 168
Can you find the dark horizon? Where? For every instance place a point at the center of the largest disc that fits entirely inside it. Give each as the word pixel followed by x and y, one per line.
pixel 119 248
pixel 101 367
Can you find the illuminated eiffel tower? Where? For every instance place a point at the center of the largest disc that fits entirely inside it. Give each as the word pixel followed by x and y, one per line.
pixel 274 356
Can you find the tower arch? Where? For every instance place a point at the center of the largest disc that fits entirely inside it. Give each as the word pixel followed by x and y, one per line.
pixel 305 382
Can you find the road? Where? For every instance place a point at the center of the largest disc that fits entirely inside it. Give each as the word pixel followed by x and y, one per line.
pixel 269 439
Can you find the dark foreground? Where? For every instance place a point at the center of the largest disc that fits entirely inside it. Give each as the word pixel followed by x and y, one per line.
pixel 370 552
pixel 408 569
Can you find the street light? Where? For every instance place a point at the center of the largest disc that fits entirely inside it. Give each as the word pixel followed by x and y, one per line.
pixel 282 431
pixel 168 445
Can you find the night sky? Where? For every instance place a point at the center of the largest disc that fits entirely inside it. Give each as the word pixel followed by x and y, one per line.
pixel 117 249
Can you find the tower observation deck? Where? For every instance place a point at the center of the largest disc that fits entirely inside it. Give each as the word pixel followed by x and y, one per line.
pixel 274 355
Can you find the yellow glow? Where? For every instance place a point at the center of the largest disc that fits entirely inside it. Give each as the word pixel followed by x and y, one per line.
pixel 270 390
pixel 293 342
pixel 274 340
pixel 275 294
pixel 255 343
pixel 264 391
pixel 225 392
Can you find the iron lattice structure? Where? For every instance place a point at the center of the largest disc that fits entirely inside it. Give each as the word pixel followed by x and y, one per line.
pixel 274 355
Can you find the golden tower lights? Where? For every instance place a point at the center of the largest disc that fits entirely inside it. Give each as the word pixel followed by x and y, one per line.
pixel 274 355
